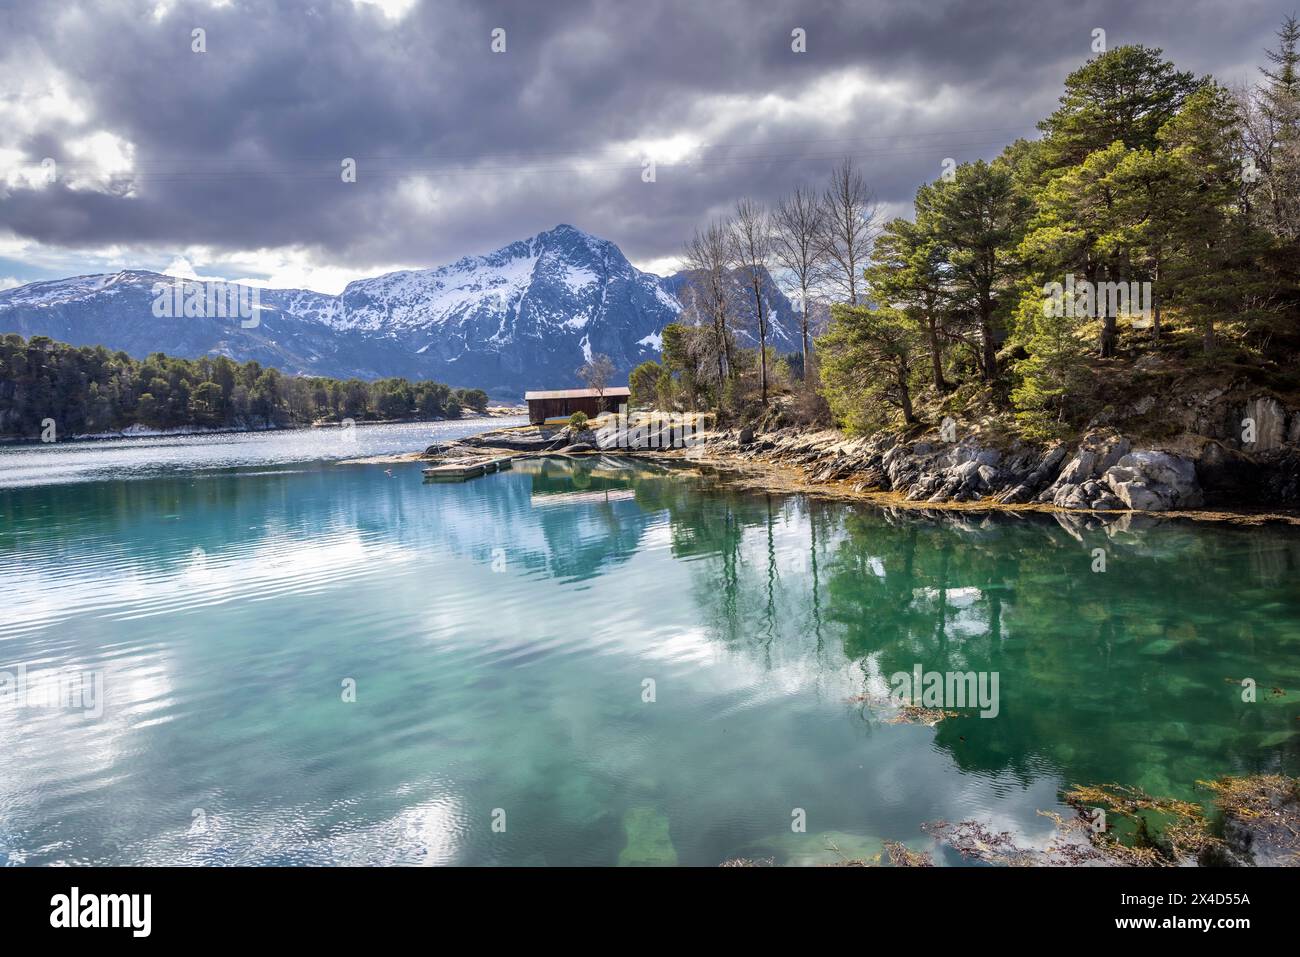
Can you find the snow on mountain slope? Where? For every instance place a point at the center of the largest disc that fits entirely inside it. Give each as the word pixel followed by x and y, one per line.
pixel 525 316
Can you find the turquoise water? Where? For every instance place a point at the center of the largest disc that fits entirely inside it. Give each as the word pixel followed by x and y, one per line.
pixel 499 635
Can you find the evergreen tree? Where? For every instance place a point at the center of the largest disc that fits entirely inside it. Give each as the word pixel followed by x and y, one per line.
pixel 1149 191
pixel 978 218
pixel 1126 94
pixel 1067 236
pixel 643 382
pixel 1216 272
pixel 908 272
pixel 1053 368
pixel 869 368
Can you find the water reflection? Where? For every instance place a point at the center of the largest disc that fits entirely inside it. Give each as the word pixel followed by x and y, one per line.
pixel 1130 674
pixel 500 631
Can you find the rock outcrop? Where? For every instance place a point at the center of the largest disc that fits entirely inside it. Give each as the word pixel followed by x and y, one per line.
pixel 1155 481
pixel 1104 470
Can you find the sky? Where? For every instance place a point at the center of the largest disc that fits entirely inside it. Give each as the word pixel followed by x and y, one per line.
pixel 124 145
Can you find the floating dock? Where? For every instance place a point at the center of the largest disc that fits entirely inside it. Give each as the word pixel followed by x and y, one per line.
pixel 461 471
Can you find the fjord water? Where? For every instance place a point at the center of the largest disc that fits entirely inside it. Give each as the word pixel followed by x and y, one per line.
pixel 500 635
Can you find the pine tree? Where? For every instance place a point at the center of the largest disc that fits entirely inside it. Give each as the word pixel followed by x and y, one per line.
pixel 1076 210
pixel 1125 95
pixel 907 272
pixel 1149 189
pixel 978 218
pixel 869 367
pixel 643 382
pixel 1054 368
pixel 1214 270
pixel 1284 81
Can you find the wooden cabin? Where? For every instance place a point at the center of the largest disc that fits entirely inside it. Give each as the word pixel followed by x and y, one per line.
pixel 562 403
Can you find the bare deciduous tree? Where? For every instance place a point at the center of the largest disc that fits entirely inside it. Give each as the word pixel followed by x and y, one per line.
pixel 848 227
pixel 1270 129
pixel 751 232
pixel 796 247
pixel 707 259
pixel 597 372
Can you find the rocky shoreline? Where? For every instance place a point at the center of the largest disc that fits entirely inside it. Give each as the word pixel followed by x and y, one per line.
pixel 1102 471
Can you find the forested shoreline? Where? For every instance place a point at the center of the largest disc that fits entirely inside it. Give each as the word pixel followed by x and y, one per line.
pixel 1145 246
pixel 78 390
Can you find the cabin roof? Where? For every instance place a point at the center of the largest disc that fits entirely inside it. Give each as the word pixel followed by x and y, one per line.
pixel 613 392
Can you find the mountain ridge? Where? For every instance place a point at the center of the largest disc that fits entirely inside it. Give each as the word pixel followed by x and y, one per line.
pixel 523 316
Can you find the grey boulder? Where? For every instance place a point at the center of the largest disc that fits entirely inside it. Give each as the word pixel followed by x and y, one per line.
pixel 1154 481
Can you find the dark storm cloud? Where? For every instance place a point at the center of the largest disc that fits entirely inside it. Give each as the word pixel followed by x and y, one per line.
pixel 460 149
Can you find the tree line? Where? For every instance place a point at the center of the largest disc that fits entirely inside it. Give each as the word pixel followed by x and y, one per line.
pixel 1155 204
pixel 89 389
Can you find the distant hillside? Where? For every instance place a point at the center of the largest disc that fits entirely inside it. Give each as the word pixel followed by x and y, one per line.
pixel 54 390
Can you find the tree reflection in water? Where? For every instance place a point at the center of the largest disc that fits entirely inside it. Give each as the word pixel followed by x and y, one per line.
pixel 1131 674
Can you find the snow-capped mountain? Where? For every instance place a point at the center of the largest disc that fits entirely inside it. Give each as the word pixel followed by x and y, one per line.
pixel 525 316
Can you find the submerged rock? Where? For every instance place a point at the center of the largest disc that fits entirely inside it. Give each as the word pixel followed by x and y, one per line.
pixel 648 841
pixel 820 849
pixel 1261 819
